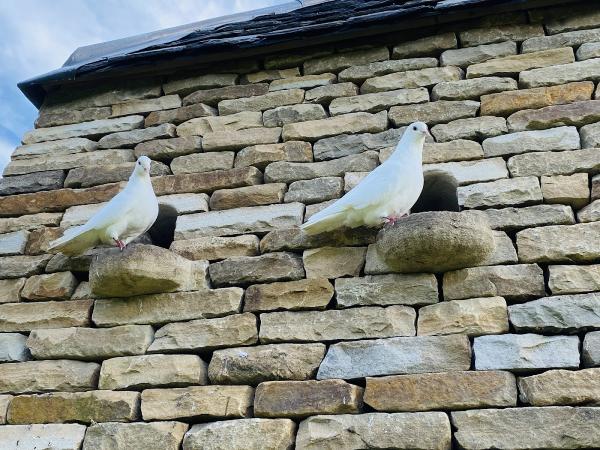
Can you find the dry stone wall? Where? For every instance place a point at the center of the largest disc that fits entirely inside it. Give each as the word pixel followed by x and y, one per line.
pixel 271 339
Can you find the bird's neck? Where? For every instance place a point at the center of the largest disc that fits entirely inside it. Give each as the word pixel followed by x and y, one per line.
pixel 409 149
pixel 140 179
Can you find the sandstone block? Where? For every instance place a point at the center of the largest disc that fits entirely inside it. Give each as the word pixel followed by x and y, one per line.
pixel 189 84
pixel 571 38
pixel 207 181
pixel 13 243
pixel 565 73
pixel 474 317
pixel 234 140
pixel 257 269
pixel 302 82
pixel 343 60
pixel 590 135
pixel 56 286
pixel 567 189
pixel 376 69
pixel 290 295
pixel 198 402
pixel 261 102
pixel 313 130
pixel 109 173
pixel 295 58
pixel 270 75
pixel 260 194
pixel 525 352
pixel 560 138
pixel 504 192
pixel 588 50
pixel 165 149
pixel 418 354
pixel 145 105
pixel 213 96
pixel 206 334
pixel 52 436
pixel 4 402
pixel 31 316
pixel 430 45
pixel 10 290
pixel 411 79
pixel 13 348
pixel 210 124
pixel 377 101
pixel 281 115
pixel 433 113
pixel 325 94
pixel 471 89
pixel 572 279
pixel 133 137
pixel 146 371
pixel 350 144
pixel 297 399
pixel 179 115
pixel 296 239
pixel 315 190
pixel 467 172
pixel 48 376
pixel 50 117
pixel 499 33
pixel 261 155
pixel 149 436
pixel 163 308
pixel 464 57
pixel 333 262
pixel 476 128
pixel 575 114
pixel 29 222
pixel 60 147
pixel 22 266
pixel 32 182
pixel 554 163
pixel 214 247
pixel 591 349
pixel 184 203
pixel 561 387
pixel 446 390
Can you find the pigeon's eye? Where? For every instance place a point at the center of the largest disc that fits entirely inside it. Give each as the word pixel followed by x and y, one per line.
pixel 415 128
pixel 139 163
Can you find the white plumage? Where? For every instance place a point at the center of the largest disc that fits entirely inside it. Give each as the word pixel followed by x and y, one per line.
pixel 385 195
pixel 126 216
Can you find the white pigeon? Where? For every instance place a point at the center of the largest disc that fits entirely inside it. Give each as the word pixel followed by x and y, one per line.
pixel 126 216
pixel 383 196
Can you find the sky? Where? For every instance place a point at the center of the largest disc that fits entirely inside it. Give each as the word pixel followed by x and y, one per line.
pixel 37 36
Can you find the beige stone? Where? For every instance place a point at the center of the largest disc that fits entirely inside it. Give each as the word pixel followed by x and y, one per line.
pixel 333 262
pixel 499 33
pixel 215 95
pixel 574 279
pixel 446 390
pixel 179 115
pixel 334 325
pixel 343 60
pixel 315 190
pixel 206 334
pixel 554 163
pixel 567 189
pixel 149 436
pixel 29 222
pixel 30 316
pixel 261 102
pixel 474 317
pixel 505 192
pixel 433 113
pixel 359 122
pixel 186 85
pixel 430 45
pixel 48 376
pixel 302 82
pixel 565 73
pixel 199 402
pixel 411 79
pixel 289 295
pixel 10 290
pixel 163 308
pixel 295 239
pixel 206 181
pixel 270 75
pixel 22 265
pixel 325 94
pixel 145 105
pixel 214 247
pixel 376 69
pixel 165 149
pixel 146 371
pixel 552 139
pixel 298 399
pixel 133 137
pixel 56 286
pixel 377 101
pixel 580 17
pixel 260 194
pixel 476 128
pixel 235 140
pixel 50 117
pixel 571 38
pixel 279 116
pixel 469 56
pixel 577 114
pixel 4 402
pixel 257 269
pixel 261 155
pixel 210 124
pixel 54 436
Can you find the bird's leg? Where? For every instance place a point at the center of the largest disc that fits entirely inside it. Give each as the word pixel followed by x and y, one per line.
pixel 391 220
pixel 119 243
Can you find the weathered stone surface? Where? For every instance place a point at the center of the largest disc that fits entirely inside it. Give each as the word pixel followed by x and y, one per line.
pixel 186 85
pixel 32 182
pixel 86 407
pixel 270 75
pixel 331 325
pixel 50 117
pixel 244 434
pixel 315 190
pixel 141 372
pixel 352 179
pixel 576 114
pixel 591 349
pixel 281 115
pixel 568 189
pixel 29 222
pixel 234 140
pixel 258 219
pixel 298 399
pixel 459 150
pixel 561 387
pixel 375 430
pixel 376 69
pixel 434 112
pixel 446 390
pixel 573 279
pixel 210 124
pixel 512 65
pixel 257 269
pixel 31 316
pixel 560 138
pixel 499 33
pixel 260 194
pixel 213 247
pixel 333 262
pixel 580 17
pixel 179 115
pixel 504 192
pixel 14 243
pixel 595 187
pixel 95 128
pixel 525 352
pixel 294 58
pixel 350 144
pixel 562 313
pixel 590 135
pixel 325 94
pixel 473 317
pixel 343 60
pixel 199 402
pixel 22 266
pixel 39 240
pixel 313 130
pixel 571 38
pixel 476 128
pixel 133 137
pixel 207 181
pixel 261 155
pixel 57 286
pixel 548 428
pixel 302 82
pixel 206 334
pixel 377 101
pixel 202 162
pixel 165 149
pixel 433 241
pixel 253 365
pixel 10 290
pixel 261 102
pixel 467 172
pixel 471 89
pixel 164 308
pixel 419 354
pixel 504 253
pixel 286 172
pixel 146 105
pixel 213 96
pixel 295 239
pixel 149 436
pixel 559 243
pixel 514 282
pixel 48 376
pixel 468 56
pixel 384 290
pixel 4 402
pixel 588 50
pixel 565 73
pixel 48 162
pixel 554 163
pixel 53 436
pixel 430 45
pixel 13 348
pixel 108 173
pixel 291 295
pixel 411 79
pixel 89 343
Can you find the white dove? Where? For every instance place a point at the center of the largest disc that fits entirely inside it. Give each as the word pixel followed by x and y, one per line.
pixel 126 216
pixel 385 195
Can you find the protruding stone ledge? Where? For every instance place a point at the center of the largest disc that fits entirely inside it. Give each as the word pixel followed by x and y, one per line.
pixel 561 387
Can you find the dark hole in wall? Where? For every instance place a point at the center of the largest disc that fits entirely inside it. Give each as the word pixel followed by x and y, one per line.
pixel 163 230
pixel 439 193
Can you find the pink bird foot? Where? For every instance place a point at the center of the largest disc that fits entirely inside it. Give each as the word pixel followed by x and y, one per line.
pixel 119 243
pixel 391 220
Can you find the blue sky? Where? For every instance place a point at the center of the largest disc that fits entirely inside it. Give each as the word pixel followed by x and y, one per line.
pixel 37 36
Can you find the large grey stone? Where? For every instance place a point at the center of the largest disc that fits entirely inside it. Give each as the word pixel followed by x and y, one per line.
pixel 279 116
pixel 350 144
pixel 554 163
pixel 325 94
pixel 590 135
pixel 295 239
pixel 234 140
pixel 315 190
pixel 289 295
pixel 50 117
pixel 257 269
pixel 215 247
pixel 468 172
pixel 574 114
pixel 143 106
pixel 29 222
pixel 471 89
pixel 179 115
pixel 560 138
pixel 133 137
pixel 302 82
pixel 377 101
pixel 10 290
pixel 49 436
pixel 215 95
pixel 13 243
pixel 590 351
pixel 22 265
pixel 358 122
pixel 504 192
pixel 261 155
pixel 333 262
pixel 120 436
pixel 13 348
pixel 565 73
pixel 166 149
pixel 570 38
pixel 188 84
pixel 529 216
pixel 376 69
pixel 498 33
pixel 261 102
pixel 109 173
pixel 210 124
pixel 27 316
pixel 32 182
pixel 426 46
pixel 342 60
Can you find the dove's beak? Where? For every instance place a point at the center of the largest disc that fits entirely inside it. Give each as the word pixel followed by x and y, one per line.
pixel 428 133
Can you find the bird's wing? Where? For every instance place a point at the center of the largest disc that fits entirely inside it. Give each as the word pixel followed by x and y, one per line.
pixel 76 240
pixel 118 207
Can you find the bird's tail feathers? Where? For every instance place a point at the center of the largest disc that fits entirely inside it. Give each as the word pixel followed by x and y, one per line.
pixel 321 224
pixel 74 241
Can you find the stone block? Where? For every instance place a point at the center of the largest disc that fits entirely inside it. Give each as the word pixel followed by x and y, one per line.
pixel 351 144
pixel 234 140
pixel 561 387
pixel 476 128
pixel 261 155
pixel 571 38
pixel 377 101
pixel 555 163
pixel 32 182
pixel 261 102
pixel 270 75
pixel 179 115
pixel 289 295
pixel 257 269
pixel 499 33
pixel 411 79
pixel 552 139
pixel 432 113
pixel 359 122
pixel 207 181
pixel 53 286
pixel 333 262
pixel 325 94
pixel 571 114
pixel 572 190
pixel 213 248
pixel 430 45
pixel 210 124
pixel 468 56
pixel 260 194
pixel 13 348
pixel 504 192
pixel 343 60
pixel 565 73
pixel 22 265
pixel 376 69
pixel 133 137
pixel 30 316
pixel 29 222
pixel 302 82
pixel 10 290
pixel 145 105
pixel 166 149
pixel 279 116
pixel 468 172
pixel 52 436
pixel 109 173
pixel 188 84
pixel 590 351
pixel 213 96
pixel 296 239
pixel 149 436
pixel 573 279
pixel 590 135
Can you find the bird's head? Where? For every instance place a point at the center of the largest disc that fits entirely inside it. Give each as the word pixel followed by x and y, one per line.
pixel 418 130
pixel 142 166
